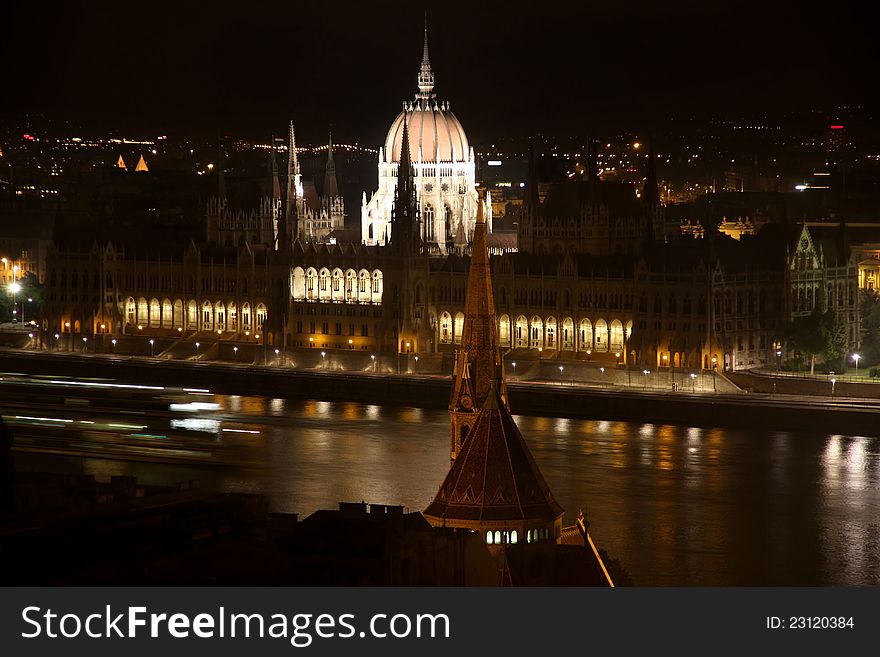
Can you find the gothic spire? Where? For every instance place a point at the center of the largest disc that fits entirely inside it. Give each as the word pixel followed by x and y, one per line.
pixel 479 369
pixel 331 187
pixel 403 216
pixel 294 188
pixel 426 75
pixel 276 185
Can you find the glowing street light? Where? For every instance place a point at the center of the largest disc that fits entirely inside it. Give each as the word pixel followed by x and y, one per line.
pixel 693 382
pixel 617 354
pixel 235 353
pixel 151 347
pixel 833 381
pixel 113 342
pixel 85 344
pixel 856 358
pixel 560 372
pixel 373 358
pixel 277 351
pixel 417 364
pixel 646 373
pixel 198 344
pixel 350 342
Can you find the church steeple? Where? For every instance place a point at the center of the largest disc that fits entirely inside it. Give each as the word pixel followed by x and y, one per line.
pixel 494 486
pixel 479 368
pixel 426 75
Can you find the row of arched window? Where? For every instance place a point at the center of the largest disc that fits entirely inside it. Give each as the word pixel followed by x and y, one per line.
pixel 549 333
pixel 336 286
pixel 499 537
pixel 218 316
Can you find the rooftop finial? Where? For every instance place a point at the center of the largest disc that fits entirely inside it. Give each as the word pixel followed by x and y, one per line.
pixel 426 75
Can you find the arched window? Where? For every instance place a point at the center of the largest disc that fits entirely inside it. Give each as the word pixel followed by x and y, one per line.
pixel 130 311
pixel 601 335
pixel 537 333
pixel 459 327
pixel 568 334
pixel 521 332
pixel 311 284
pixel 428 219
pixel 497 536
pixel 550 333
pixel 489 537
pixel 504 331
pixel 350 285
pixel 445 328
pixel 513 536
pixel 298 283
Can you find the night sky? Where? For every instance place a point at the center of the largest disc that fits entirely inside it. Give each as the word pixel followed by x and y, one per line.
pixel 508 69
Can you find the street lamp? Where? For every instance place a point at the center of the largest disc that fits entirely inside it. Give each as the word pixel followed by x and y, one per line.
pixel 350 342
pixel 856 357
pixel 198 344
pixel 277 351
pixel 560 374
pixel 373 358
pixel 113 342
pixel 311 342
pixel 833 381
pixel 15 288
pixel 235 353
pixel 693 382
pixel 589 352
pixel 57 341
pixel 417 364
pixel 323 359
pixel 151 347
pixel 85 343
pixel 514 367
pixel 646 373
pixel 617 354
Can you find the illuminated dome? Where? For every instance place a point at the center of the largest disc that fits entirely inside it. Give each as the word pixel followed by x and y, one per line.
pixel 434 132
pixel 443 170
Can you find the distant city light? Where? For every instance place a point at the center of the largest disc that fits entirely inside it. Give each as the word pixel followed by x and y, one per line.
pixel 494 163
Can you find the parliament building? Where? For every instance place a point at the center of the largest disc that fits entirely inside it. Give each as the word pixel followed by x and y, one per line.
pixel 596 275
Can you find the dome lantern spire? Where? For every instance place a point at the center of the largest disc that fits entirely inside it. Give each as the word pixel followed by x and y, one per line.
pixel 426 75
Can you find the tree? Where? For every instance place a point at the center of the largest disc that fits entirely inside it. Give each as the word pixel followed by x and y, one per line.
pixel 807 335
pixel 835 343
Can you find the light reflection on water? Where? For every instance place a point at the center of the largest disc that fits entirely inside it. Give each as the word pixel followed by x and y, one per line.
pixel 676 505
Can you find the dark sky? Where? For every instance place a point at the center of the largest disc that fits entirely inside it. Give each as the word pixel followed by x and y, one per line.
pixel 245 67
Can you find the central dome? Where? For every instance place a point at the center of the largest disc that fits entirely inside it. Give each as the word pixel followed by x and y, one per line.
pixel 433 130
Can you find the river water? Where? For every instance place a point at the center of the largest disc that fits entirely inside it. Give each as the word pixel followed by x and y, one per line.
pixel 677 506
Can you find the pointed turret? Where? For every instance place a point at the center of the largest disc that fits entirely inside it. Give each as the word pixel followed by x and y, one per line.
pixel 403 216
pixel 426 75
pixel 273 164
pixel 142 165
pixel 478 366
pixel 294 187
pixel 331 188
pixel 120 163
